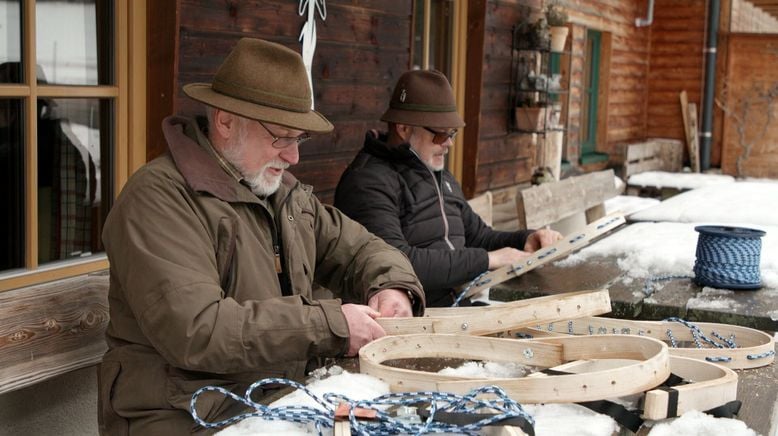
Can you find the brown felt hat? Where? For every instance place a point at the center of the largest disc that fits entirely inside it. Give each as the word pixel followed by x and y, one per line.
pixel 423 98
pixel 263 81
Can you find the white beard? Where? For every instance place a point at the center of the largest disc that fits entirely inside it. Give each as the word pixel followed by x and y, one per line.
pixel 261 183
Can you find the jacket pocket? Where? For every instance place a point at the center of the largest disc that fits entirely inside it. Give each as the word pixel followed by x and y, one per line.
pixel 108 421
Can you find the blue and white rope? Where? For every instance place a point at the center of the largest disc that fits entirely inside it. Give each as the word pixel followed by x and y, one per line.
pixel 728 261
pixel 475 282
pixel 384 424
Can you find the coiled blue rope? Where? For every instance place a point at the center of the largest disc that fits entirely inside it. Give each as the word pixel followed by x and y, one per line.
pixel 384 424
pixel 728 257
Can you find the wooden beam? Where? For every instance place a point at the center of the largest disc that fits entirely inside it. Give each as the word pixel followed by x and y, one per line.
pixel 53 329
pixel 476 26
pixel 162 44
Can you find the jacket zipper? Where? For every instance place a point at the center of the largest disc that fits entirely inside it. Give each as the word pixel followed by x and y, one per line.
pixel 440 201
pixel 283 278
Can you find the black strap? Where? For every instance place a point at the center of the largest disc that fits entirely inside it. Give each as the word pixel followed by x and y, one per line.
pixel 672 400
pixel 626 418
pixel 728 410
pixel 470 418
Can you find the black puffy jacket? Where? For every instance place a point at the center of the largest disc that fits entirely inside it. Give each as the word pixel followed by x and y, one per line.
pixel 397 197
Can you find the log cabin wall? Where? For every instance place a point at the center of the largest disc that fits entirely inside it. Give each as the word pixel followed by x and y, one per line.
pixel 363 47
pixel 625 62
pixel 750 104
pixel 505 158
pixel 676 64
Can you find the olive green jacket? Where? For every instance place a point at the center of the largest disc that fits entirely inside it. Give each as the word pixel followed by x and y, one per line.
pixel 195 298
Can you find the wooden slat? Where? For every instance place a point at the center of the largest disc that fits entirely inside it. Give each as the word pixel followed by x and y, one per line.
pixel 497 318
pixel 49 330
pixel 659 154
pixel 550 202
pixel 482 206
pixel 694 146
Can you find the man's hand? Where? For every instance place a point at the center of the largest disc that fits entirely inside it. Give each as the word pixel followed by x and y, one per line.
pixel 362 327
pixel 541 238
pixel 505 256
pixel 391 303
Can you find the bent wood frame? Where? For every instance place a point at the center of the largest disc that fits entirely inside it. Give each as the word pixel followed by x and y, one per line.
pixel 483 320
pixel 566 245
pixel 753 349
pixel 650 370
pixel 711 385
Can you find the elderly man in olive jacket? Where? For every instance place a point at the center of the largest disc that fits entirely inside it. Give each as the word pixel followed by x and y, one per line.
pixel 214 247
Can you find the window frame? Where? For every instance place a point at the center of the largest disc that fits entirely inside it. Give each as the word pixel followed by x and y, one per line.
pixel 128 97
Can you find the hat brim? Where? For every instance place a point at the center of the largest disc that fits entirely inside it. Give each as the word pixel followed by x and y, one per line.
pixel 439 120
pixel 312 121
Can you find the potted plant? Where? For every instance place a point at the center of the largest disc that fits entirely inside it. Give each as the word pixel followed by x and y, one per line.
pixel 557 22
pixel 532 35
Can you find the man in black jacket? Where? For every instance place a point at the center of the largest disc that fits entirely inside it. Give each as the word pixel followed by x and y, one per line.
pixel 398 189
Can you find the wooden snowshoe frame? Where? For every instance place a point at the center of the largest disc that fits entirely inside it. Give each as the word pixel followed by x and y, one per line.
pixel 563 247
pixel 753 346
pixel 483 320
pixel 710 385
pixel 651 368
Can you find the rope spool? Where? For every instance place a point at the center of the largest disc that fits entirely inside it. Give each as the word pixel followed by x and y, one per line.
pixel 728 257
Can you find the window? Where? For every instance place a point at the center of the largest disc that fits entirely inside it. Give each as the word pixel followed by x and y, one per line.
pixel 63 146
pixel 439 42
pixel 589 110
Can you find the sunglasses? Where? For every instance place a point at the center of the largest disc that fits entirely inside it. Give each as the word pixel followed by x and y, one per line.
pixel 441 137
pixel 285 141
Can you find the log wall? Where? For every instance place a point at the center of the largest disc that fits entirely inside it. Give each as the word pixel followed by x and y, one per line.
pixel 507 158
pixel 676 64
pixel 362 48
pixel 750 105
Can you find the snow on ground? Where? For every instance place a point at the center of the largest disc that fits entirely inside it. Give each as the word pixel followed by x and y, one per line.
pixel 655 249
pixel 664 179
pixel 628 204
pixel 749 203
pixel 695 423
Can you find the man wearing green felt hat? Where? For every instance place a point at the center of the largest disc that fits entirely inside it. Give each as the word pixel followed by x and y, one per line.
pixel 398 188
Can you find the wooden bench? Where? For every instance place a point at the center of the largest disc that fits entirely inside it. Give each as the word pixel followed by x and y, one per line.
pixel 551 203
pixel 48 330
pixel 482 205
pixel 652 155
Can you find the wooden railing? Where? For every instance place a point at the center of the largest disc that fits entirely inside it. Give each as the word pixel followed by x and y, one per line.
pixel 48 330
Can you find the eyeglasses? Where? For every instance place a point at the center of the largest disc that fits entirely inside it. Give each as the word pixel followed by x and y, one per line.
pixel 441 137
pixel 285 141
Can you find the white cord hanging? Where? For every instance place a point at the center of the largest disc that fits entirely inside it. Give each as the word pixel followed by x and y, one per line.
pixel 308 34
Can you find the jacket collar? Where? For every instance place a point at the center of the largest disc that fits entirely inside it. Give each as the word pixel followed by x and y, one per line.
pixel 202 171
pixel 375 144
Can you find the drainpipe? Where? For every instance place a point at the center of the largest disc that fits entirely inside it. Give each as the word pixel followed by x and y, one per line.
pixel 714 10
pixel 642 22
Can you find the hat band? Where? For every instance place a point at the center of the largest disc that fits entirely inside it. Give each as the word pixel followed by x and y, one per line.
pixel 423 107
pixel 264 98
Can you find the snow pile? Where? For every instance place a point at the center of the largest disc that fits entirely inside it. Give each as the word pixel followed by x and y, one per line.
pixel 664 179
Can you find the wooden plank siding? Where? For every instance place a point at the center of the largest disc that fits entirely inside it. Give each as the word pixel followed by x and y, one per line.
pixel 504 158
pixel 362 48
pixel 676 64
pixel 749 147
